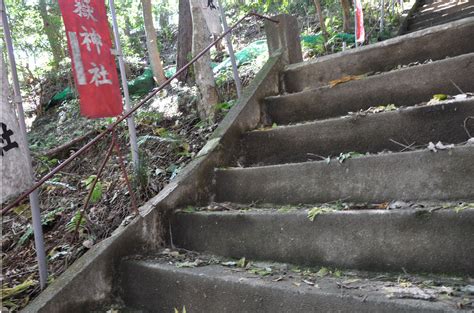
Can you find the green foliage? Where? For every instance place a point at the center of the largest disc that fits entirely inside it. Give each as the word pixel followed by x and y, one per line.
pixel 177 311
pixel 148 117
pixel 97 192
pixel 349 155
pixel 225 106
pixel 440 97
pixel 46 220
pixel 76 222
pixel 312 213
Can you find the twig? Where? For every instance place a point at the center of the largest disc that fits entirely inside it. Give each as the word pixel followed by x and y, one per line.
pixel 457 87
pixel 405 147
pixel 55 151
pixel 465 125
pixel 316 155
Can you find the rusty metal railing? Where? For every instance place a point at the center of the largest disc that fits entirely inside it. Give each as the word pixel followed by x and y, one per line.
pixel 111 128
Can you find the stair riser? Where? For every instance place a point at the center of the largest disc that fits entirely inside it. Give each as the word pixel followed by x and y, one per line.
pixel 372 240
pixel 404 87
pixel 446 175
pixel 435 44
pixel 372 133
pixel 162 288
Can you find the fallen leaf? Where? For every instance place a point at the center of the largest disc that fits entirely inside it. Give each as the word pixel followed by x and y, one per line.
pixel 440 97
pixel 88 244
pixel 280 278
pixel 308 282
pixel 409 293
pixel 345 79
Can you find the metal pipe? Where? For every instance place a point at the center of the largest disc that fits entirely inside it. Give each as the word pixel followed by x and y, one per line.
pixel 124 173
pixel 130 122
pixel 127 114
pixel 238 83
pixel 34 199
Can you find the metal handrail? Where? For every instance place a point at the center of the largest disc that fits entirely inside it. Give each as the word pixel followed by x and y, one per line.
pixel 120 119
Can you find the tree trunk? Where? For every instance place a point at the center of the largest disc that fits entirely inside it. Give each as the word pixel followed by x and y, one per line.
pixel 317 3
pixel 51 33
pixel 151 43
pixel 185 38
pixel 346 15
pixel 202 68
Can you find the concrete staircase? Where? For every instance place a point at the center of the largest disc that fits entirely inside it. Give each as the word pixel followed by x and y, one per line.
pixel 435 12
pixel 355 154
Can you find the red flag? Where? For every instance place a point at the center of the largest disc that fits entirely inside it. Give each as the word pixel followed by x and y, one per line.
pixel 89 44
pixel 360 35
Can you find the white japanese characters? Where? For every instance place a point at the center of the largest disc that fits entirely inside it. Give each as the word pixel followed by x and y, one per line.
pixel 99 75
pixel 84 9
pixel 91 38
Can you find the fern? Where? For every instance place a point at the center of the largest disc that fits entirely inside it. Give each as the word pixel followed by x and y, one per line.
pixel 45 221
pixel 73 223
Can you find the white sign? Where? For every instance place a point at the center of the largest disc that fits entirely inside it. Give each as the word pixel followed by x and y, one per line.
pixel 15 175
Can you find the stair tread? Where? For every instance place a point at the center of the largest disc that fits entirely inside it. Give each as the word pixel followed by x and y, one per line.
pixel 433 43
pixel 197 280
pixel 390 130
pixel 406 86
pixel 417 236
pixel 421 174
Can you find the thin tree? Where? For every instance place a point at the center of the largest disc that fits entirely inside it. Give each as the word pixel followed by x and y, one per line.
pixel 151 43
pixel 202 68
pixel 346 15
pixel 51 33
pixel 317 4
pixel 185 38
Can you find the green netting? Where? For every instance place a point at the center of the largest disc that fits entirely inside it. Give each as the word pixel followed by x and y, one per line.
pixel 348 38
pixel 244 56
pixel 170 71
pixel 312 39
pixel 60 97
pixel 142 84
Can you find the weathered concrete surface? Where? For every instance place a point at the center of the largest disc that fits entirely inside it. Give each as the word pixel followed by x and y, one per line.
pixel 407 239
pixel 435 43
pixel 90 280
pixel 443 175
pixel 436 12
pixel 370 133
pixel 426 23
pixel 284 38
pixel 406 87
pixel 216 289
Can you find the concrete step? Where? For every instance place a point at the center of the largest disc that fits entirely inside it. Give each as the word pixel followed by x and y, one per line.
pixel 436 43
pixel 426 21
pixel 441 10
pixel 412 240
pixel 162 284
pixel 407 86
pixel 363 133
pixel 442 175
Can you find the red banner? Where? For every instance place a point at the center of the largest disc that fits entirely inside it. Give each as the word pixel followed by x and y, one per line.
pixel 360 35
pixel 89 44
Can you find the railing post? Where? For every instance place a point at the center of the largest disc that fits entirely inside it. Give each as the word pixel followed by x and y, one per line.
pixel 284 37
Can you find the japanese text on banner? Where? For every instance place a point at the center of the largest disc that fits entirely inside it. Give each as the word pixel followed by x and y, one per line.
pixel 94 66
